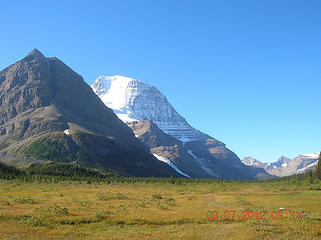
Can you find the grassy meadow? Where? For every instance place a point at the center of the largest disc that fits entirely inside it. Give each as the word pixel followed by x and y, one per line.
pixel 160 210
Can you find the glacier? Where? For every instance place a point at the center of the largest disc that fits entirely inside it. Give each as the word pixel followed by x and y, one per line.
pixel 167 161
pixel 203 164
pixel 132 100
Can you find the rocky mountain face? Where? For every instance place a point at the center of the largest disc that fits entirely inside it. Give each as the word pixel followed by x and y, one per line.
pixel 168 135
pixel 163 145
pixel 48 112
pixel 285 166
pixel 134 100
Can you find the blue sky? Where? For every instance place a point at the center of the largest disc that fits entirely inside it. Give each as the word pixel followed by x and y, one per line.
pixel 246 72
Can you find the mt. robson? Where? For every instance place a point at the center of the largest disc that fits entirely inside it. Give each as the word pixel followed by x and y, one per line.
pixel 167 134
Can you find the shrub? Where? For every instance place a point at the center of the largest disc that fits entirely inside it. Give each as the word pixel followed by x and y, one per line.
pixel 24 200
pixel 53 210
pixel 157 196
pixel 109 196
pixel 32 220
pixel 101 215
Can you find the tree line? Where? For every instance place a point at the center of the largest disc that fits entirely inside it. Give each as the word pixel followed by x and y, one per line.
pixel 55 172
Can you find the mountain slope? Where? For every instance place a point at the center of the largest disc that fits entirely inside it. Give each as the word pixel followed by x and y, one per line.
pixel 47 112
pixel 166 146
pixel 133 101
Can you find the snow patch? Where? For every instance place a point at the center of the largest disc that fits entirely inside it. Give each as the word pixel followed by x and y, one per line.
pixel 166 160
pixel 305 168
pixel 125 117
pixel 67 132
pixel 311 155
pixel 203 164
pixel 185 139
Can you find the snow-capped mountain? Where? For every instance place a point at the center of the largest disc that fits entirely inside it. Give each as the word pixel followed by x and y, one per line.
pixel 303 162
pixel 168 135
pixel 285 166
pixel 281 162
pixel 250 161
pixel 134 100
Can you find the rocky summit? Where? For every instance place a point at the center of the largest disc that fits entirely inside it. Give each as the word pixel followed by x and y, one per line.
pixel 48 112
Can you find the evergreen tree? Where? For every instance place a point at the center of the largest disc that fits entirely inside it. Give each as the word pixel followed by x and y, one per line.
pixel 172 180
pixel 318 170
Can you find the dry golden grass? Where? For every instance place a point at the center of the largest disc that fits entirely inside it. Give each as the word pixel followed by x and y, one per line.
pixel 73 210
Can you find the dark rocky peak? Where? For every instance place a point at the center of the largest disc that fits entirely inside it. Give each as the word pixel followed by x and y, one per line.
pixel 35 52
pixel 26 84
pixel 35 56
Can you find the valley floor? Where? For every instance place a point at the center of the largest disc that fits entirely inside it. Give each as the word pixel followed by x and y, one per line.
pixel 74 210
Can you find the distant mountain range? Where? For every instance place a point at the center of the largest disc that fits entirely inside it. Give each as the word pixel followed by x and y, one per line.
pixel 168 135
pixel 285 166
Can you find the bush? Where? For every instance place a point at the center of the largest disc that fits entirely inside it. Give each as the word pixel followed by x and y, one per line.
pixel 24 200
pixel 101 215
pixel 32 220
pixel 157 196
pixel 53 210
pixel 109 196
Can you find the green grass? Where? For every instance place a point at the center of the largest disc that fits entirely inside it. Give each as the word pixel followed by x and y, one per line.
pixel 159 210
pixel 49 148
pixel 24 200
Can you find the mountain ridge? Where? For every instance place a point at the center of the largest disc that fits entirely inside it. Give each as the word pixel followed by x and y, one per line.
pixel 285 166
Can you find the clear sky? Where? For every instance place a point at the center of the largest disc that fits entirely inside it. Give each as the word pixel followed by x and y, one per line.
pixel 246 72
